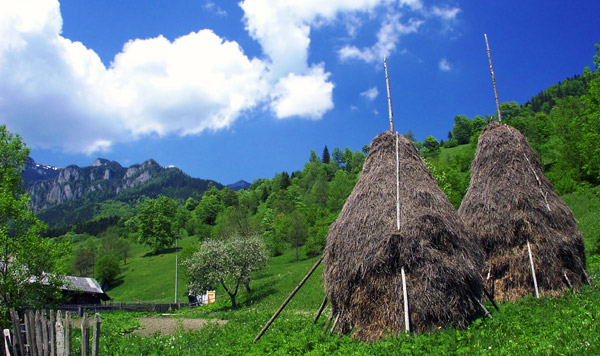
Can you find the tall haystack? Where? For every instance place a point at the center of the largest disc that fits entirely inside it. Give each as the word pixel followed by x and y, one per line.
pixel 510 203
pixel 365 251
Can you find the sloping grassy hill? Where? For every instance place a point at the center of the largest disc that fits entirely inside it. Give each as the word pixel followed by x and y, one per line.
pixel 566 325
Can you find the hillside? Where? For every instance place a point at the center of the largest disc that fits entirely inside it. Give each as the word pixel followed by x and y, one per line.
pixel 565 325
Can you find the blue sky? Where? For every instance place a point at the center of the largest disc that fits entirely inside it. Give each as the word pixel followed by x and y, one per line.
pixel 243 90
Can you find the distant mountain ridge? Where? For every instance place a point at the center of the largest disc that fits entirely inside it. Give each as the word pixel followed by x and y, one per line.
pixel 65 196
pixel 239 185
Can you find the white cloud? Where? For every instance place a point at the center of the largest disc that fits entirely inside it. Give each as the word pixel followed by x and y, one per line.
pixel 444 65
pixel 283 27
pixel 387 38
pixel 57 93
pixel 447 13
pixel 370 93
pixel 392 29
pixel 303 95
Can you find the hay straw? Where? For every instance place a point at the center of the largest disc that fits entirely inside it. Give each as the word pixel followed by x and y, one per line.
pixel 509 202
pixel 365 252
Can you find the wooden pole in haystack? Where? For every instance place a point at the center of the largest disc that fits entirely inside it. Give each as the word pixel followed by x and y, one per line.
pixel 387 82
pixel 487 45
pixel 537 294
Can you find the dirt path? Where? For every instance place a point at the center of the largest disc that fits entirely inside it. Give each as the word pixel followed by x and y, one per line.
pixel 168 326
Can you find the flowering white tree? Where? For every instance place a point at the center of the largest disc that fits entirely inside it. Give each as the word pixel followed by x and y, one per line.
pixel 226 262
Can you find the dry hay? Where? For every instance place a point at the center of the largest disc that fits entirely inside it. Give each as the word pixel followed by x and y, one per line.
pixel 365 252
pixel 510 201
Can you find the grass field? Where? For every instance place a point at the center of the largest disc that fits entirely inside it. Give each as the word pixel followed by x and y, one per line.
pixel 569 325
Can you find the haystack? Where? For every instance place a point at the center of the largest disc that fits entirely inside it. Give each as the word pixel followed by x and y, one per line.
pixel 365 251
pixel 510 202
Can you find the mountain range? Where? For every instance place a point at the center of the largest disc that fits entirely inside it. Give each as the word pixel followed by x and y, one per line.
pixel 70 195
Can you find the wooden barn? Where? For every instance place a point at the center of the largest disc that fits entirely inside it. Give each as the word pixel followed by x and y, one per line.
pixel 83 290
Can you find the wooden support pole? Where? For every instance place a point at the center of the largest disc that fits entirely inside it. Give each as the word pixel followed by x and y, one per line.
pixel 96 335
pixel 321 308
pixel 85 336
pixel 491 298
pixel 478 302
pixel 493 78
pixel 567 278
pixel 397 186
pixel 337 318
pixel 537 293
pixel 387 82
pixel 405 293
pixel 260 334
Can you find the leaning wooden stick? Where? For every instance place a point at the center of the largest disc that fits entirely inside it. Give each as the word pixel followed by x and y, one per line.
pixel 493 78
pixel 321 308
pixel 287 300
pixel 387 82
pixel 337 318
pixel 491 298
pixel 405 293
pixel 478 302
pixel 537 293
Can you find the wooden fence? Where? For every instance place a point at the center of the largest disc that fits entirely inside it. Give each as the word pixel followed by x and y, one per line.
pixel 43 334
pixel 79 309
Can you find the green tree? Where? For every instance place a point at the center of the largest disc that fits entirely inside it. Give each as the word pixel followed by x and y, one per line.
pixel 325 157
pixel 590 124
pixel 462 129
pixel 31 268
pixel 157 223
pixel 337 155
pixel 272 240
pixel 479 123
pixel 313 157
pixel 209 208
pixel 107 269
pixel 293 228
pixel 431 147
pixel 229 197
pixel 285 180
pixel 228 263
pixel 338 191
pixel 84 260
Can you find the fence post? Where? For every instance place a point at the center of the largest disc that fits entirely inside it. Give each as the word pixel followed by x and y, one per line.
pixel 44 322
pixel 17 338
pixel 68 334
pixel 96 335
pixel 7 342
pixel 52 334
pixel 39 338
pixel 29 332
pixel 60 335
pixel 85 337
